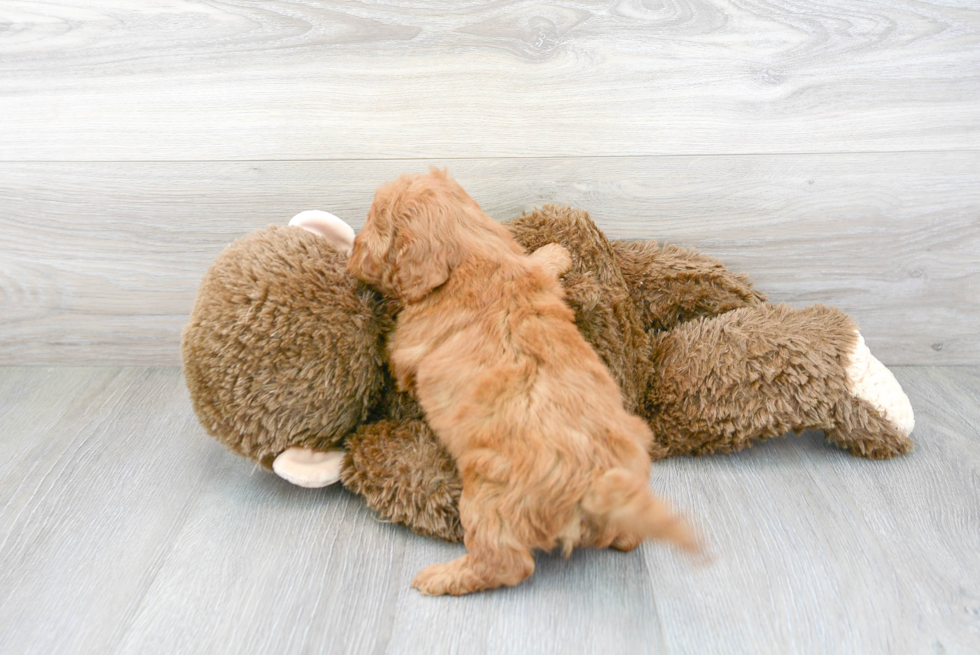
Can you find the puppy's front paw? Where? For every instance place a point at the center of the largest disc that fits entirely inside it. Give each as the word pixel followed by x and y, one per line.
pixel 555 258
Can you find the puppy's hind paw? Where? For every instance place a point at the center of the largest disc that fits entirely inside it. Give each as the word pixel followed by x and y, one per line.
pixel 435 580
pixel 626 542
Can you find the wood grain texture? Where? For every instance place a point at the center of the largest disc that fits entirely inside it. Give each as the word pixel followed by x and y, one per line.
pixel 304 79
pixel 91 503
pixel 831 553
pixel 101 261
pixel 124 529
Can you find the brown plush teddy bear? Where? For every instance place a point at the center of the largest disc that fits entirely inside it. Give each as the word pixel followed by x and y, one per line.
pixel 284 356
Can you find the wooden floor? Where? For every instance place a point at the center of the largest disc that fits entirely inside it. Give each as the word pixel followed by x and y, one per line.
pixel 124 529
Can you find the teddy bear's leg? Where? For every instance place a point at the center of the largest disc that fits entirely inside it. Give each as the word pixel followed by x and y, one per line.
pixel 877 418
pixel 759 372
pixel 309 468
pixel 404 473
pixel 670 285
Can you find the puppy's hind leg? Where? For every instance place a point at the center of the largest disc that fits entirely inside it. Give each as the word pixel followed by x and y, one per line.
pixel 495 559
pixel 475 572
pixel 620 500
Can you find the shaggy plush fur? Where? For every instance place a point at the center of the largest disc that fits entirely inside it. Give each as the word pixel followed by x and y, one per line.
pixel 406 475
pixel 285 349
pixel 547 454
pixel 749 374
pixel 670 285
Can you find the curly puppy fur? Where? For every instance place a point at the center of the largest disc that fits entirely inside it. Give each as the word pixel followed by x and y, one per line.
pixel 597 292
pixel 547 454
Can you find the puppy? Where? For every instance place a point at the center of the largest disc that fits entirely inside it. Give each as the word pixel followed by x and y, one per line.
pixel 547 454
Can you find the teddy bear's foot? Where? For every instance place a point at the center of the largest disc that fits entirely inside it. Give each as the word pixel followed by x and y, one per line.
pixel 869 380
pixel 326 225
pixel 863 432
pixel 309 468
pixel 875 421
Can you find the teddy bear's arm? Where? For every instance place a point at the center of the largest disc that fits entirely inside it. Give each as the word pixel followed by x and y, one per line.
pixel 405 474
pixel 670 285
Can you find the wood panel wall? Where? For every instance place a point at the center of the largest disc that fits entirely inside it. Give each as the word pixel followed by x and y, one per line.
pixel 830 149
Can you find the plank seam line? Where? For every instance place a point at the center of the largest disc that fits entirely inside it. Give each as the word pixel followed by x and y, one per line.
pixel 502 157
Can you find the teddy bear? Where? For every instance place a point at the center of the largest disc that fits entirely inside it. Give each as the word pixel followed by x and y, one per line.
pixel 284 356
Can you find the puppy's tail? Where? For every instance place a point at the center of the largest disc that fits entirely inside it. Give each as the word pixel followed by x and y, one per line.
pixel 622 500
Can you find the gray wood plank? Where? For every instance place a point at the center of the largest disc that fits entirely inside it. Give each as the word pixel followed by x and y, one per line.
pixel 265 567
pixel 99 262
pixel 33 402
pixel 139 534
pixel 595 602
pixel 134 532
pixel 91 513
pixel 818 551
pixel 83 80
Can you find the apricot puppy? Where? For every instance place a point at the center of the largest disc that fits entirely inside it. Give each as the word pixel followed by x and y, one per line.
pixel 547 454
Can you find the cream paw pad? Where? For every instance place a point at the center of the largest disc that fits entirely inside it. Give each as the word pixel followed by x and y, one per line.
pixel 871 381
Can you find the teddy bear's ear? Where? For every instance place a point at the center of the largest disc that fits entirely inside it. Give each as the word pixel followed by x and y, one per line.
pixel 421 265
pixel 325 224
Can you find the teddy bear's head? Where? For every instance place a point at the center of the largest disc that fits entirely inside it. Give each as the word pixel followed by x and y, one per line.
pixel 283 347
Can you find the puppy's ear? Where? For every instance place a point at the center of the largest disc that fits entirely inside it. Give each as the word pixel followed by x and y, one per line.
pixel 361 264
pixel 422 265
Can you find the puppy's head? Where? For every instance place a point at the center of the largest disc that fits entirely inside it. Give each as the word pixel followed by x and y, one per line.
pixel 416 232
